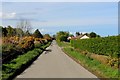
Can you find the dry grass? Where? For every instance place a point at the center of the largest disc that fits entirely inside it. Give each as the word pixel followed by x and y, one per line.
pixel 103 59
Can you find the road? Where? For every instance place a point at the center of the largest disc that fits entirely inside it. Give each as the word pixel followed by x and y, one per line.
pixel 54 63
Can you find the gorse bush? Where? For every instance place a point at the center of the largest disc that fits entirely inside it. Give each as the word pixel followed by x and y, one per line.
pixel 14 46
pixel 103 46
pixel 27 43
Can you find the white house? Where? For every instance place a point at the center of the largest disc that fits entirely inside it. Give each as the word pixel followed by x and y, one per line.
pixel 69 38
pixel 84 37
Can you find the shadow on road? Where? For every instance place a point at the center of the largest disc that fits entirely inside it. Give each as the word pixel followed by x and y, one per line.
pixel 47 51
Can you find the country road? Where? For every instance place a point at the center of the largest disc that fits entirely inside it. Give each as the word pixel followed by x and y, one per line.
pixel 53 63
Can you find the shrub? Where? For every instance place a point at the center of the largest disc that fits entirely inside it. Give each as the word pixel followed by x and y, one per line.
pixel 38 45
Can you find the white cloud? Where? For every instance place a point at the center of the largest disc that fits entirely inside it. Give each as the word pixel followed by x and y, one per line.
pixel 7 15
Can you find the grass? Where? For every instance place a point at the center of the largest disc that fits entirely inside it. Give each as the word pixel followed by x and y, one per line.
pixel 92 65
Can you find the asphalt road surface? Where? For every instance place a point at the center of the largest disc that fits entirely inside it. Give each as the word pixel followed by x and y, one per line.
pixel 54 63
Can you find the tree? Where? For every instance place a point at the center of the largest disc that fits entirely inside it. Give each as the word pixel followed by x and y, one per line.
pixel 71 35
pixel 11 31
pixel 48 37
pixel 93 35
pixel 77 34
pixel 27 33
pixel 98 35
pixel 86 34
pixel 37 34
pixel 4 32
pixel 62 36
pixel 19 32
pixel 0 31
pixel 25 25
pixel 54 37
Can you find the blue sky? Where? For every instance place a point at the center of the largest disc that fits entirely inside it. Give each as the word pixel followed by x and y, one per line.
pixel 51 17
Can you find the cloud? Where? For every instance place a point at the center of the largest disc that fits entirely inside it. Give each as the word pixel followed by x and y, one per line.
pixel 7 15
pixel 18 16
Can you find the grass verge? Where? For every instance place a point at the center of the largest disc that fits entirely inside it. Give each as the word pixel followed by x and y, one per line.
pixel 94 66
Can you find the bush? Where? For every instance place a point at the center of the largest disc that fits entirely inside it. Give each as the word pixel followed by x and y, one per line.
pixel 7 49
pixel 27 43
pixel 38 45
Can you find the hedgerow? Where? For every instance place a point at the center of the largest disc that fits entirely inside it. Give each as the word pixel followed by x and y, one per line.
pixel 103 46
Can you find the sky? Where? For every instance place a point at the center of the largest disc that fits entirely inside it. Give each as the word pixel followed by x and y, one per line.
pixel 51 17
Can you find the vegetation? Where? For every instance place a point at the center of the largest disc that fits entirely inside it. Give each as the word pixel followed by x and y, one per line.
pixel 10 32
pixel 48 37
pixel 62 36
pixel 20 48
pixel 14 46
pixel 17 65
pixel 103 46
pixel 37 34
pixel 93 65
pixel 91 35
pixel 24 25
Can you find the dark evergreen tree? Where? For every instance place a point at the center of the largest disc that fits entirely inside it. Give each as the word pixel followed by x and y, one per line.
pixel 37 34
pixel 4 32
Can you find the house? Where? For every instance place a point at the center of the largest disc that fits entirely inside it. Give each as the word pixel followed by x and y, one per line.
pixel 83 36
pixel 69 38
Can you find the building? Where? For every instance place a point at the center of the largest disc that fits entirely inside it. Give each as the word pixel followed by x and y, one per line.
pixel 83 36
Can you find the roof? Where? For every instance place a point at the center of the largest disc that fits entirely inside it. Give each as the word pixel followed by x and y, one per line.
pixel 84 37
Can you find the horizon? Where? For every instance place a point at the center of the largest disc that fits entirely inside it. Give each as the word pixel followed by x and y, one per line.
pixel 49 18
